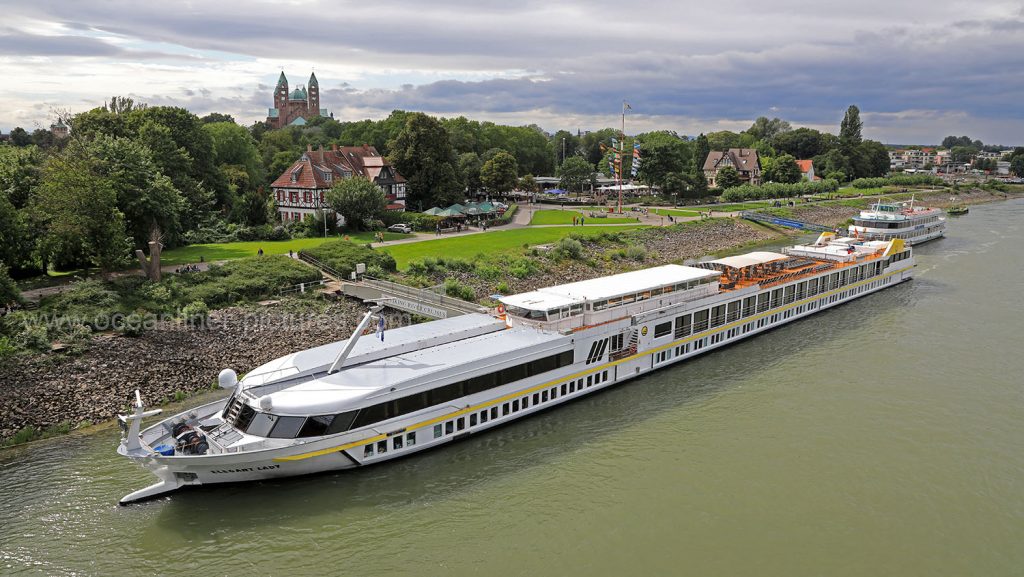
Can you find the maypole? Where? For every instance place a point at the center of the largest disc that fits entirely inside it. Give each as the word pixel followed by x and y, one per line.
pixel 621 150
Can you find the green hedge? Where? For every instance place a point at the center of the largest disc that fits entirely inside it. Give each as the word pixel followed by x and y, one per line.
pixel 897 180
pixel 778 190
pixel 343 256
pixel 506 218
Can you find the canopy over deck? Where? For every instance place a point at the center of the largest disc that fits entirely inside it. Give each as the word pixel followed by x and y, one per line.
pixel 749 259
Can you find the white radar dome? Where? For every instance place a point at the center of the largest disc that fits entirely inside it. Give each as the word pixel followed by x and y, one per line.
pixel 227 379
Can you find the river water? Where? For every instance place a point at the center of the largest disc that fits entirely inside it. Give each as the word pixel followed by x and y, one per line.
pixel 883 437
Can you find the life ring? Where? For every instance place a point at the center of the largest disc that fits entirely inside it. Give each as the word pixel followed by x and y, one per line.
pixel 501 309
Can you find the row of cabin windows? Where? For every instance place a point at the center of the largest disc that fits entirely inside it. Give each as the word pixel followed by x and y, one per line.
pixel 644 295
pixel 719 315
pixel 262 424
pixel 893 224
pixel 397 442
pixel 521 404
pixel 716 338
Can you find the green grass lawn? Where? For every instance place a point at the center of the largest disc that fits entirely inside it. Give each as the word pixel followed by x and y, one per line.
pixel 498 241
pixel 566 216
pixel 233 250
pixel 674 212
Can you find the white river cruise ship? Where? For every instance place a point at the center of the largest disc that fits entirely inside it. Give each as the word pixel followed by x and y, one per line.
pixel 889 220
pixel 360 402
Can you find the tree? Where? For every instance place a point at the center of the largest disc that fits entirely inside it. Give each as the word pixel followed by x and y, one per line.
pixel 217 117
pixel 849 131
pixel 724 140
pixel 803 143
pixel 768 130
pixel 575 173
pixel 19 173
pixel 1017 165
pixel 232 144
pixel 42 138
pixel 500 173
pixel 146 198
pixel 662 153
pixel 698 184
pixel 422 153
pixel 875 157
pixel 77 208
pixel 781 169
pixel 701 151
pixel 254 207
pixel 528 183
pixel 728 177
pixel 565 144
pixel 20 137
pixel 469 166
pixel 358 200
pixel 675 184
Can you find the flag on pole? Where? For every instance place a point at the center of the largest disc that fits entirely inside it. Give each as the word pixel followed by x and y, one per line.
pixel 380 328
pixel 636 160
pixel 626 106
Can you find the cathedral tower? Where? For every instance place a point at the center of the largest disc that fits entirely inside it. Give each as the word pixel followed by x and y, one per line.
pixel 313 98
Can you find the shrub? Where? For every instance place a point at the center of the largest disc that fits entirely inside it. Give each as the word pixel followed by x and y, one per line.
pixel 502 288
pixel 7 347
pixel 33 337
pixel 569 248
pixel 635 252
pixel 195 313
pixel 342 256
pixel 132 325
pixel 243 279
pixel 454 288
pixel 505 218
pixel 778 190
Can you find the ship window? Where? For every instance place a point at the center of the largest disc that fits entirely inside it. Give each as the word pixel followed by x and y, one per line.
pixel 554 393
pixel 504 409
pixel 396 442
pixel 244 417
pixel 662 329
pixel 287 427
pixel 494 412
pixel 683 326
pixel 449 427
pixel 572 386
pixel 700 321
pixel 536 398
pixel 515 405
pixel 590 380
pixel 460 424
pixel 544 396
pixel 472 420
pixel 368 450
pixel 717 315
pixel 437 430
pixel 605 376
pixel 382 447
pixel 733 311
pixel 564 387
pixel 410 439
pixel 316 426
pixel 526 401
pixel 749 305
pixel 483 416
pixel 261 425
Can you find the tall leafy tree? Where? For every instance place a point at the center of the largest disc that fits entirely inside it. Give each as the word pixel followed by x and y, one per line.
pixel 77 208
pixel 702 148
pixel 728 177
pixel 500 174
pixel 470 165
pixel 781 169
pixel 422 153
pixel 233 144
pixel 767 130
pixel 146 198
pixel 850 130
pixel 357 199
pixel 20 137
pixel 875 157
pixel 803 143
pixel 575 173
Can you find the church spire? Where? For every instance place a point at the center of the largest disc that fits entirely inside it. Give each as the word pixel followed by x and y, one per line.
pixel 282 81
pixel 312 79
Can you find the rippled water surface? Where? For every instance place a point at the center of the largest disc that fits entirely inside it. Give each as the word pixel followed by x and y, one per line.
pixel 883 437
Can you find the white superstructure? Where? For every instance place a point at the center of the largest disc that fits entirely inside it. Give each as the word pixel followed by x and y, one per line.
pixel 889 220
pixel 435 382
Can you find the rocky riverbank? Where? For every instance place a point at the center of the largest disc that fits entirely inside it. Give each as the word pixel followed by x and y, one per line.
pixel 171 360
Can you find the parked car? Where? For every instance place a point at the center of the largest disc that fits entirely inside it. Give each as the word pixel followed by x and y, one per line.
pixel 401 227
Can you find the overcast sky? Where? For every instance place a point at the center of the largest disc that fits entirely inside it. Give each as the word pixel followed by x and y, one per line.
pixel 919 70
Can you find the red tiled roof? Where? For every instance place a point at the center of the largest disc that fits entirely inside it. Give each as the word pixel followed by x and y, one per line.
pixel 805 165
pixel 311 170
